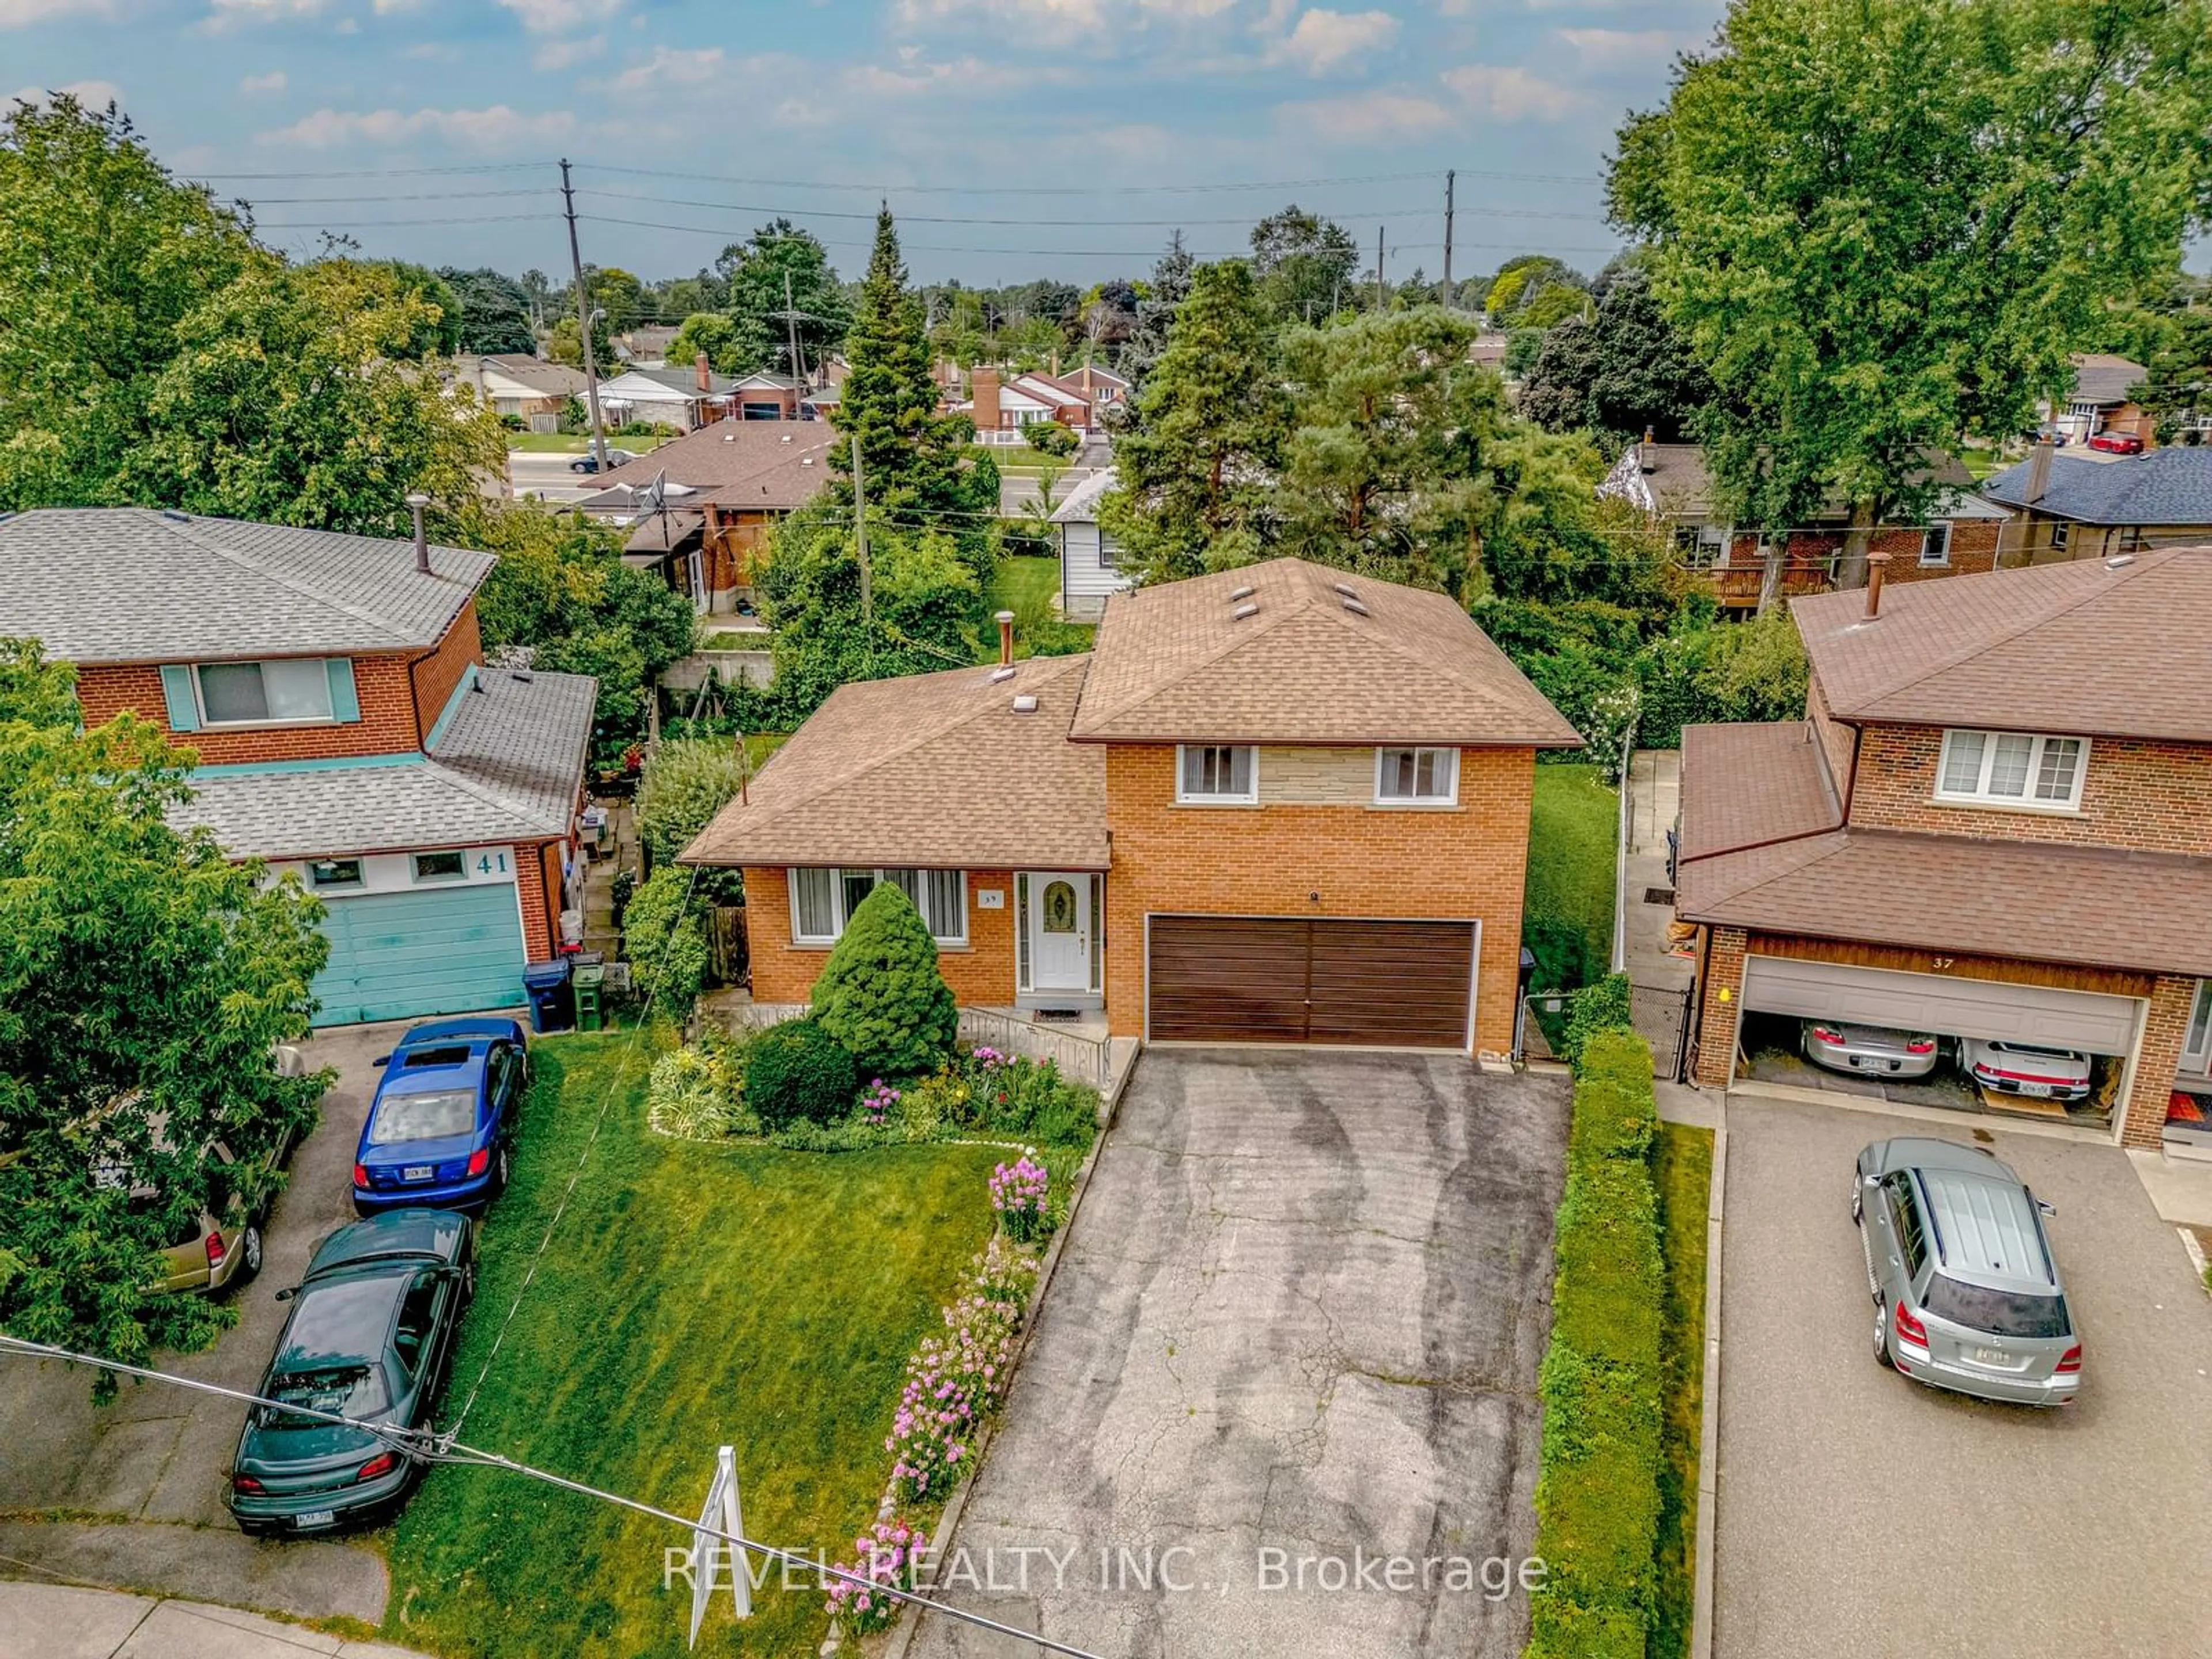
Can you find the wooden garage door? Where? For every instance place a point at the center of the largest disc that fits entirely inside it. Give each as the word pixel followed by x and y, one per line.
pixel 1264 979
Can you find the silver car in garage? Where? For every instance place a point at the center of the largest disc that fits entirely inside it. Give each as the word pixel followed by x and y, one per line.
pixel 2026 1069
pixel 1966 1293
pixel 1869 1050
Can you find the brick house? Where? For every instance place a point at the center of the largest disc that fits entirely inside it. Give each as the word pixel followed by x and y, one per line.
pixel 1277 804
pixel 1994 822
pixel 1747 570
pixel 2100 400
pixel 2082 505
pixel 530 389
pixel 334 690
pixel 723 489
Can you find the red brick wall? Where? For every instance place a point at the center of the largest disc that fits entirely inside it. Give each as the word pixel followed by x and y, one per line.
pixel 1973 550
pixel 538 874
pixel 1720 988
pixel 1469 860
pixel 386 727
pixel 436 675
pixel 1836 739
pixel 981 975
pixel 2165 1030
pixel 2138 794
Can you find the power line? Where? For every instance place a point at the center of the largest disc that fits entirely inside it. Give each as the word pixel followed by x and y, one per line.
pixel 1085 223
pixel 418 196
pixel 882 189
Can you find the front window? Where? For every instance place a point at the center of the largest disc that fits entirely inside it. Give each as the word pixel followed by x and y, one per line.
pixel 1109 552
pixel 334 872
pixel 2013 768
pixel 2058 532
pixel 2197 1048
pixel 1216 775
pixel 438 867
pixel 823 901
pixel 255 693
pixel 1935 546
pixel 1416 777
pixel 1698 546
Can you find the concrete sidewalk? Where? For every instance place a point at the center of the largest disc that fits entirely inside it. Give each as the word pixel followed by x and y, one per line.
pixel 62 1622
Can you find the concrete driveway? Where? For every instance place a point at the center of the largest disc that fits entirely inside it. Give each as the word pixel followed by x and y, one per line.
pixel 1299 1319
pixel 150 1472
pixel 1862 1515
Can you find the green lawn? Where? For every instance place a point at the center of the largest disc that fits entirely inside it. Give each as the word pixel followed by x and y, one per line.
pixel 1020 457
pixel 1574 832
pixel 693 1296
pixel 1028 584
pixel 1682 1168
pixel 1024 580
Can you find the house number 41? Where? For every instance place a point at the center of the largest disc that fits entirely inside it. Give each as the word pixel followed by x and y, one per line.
pixel 485 863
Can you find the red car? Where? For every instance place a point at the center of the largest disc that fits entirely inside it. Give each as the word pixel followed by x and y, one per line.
pixel 2117 443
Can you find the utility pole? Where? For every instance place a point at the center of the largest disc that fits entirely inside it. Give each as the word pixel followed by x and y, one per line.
pixel 791 322
pixel 584 321
pixel 1451 177
pixel 1378 268
pixel 860 544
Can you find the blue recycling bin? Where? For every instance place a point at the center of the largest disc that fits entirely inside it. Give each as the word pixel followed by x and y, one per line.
pixel 552 1006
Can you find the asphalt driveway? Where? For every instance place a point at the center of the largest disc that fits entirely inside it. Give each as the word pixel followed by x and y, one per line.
pixel 1299 1319
pixel 1862 1515
pixel 131 1495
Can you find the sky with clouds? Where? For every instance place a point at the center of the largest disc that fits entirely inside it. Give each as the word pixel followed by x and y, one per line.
pixel 1014 138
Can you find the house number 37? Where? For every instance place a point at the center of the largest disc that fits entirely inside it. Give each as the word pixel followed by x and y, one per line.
pixel 1941 963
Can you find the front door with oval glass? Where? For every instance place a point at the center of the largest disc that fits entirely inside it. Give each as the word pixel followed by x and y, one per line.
pixel 1058 922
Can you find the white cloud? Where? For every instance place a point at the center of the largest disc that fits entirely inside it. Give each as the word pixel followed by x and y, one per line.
pixel 670 66
pixel 394 8
pixel 247 14
pixel 1513 94
pixel 915 75
pixel 560 16
pixel 273 82
pixel 567 54
pixel 21 14
pixel 1058 20
pixel 482 129
pixel 1322 40
pixel 93 95
pixel 1371 117
pixel 1613 49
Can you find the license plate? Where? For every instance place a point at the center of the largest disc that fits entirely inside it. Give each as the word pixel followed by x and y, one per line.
pixel 418 1172
pixel 2036 1090
pixel 1992 1357
pixel 315 1518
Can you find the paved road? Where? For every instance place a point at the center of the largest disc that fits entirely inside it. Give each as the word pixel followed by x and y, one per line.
pixel 547 476
pixel 1302 1310
pixel 1863 1515
pixel 153 1466
pixel 1018 489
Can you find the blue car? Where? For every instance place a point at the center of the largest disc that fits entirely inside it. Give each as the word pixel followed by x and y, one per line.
pixel 441 1131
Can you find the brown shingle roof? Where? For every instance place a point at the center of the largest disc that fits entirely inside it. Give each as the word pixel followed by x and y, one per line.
pixel 776 466
pixel 2079 647
pixel 2093 907
pixel 1173 662
pixel 1749 784
pixel 934 771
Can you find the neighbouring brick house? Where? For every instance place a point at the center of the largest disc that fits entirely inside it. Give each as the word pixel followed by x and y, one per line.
pixel 722 488
pixel 348 732
pixel 1994 822
pixel 1745 567
pixel 2100 400
pixel 1279 805
pixel 2080 505
pixel 1001 402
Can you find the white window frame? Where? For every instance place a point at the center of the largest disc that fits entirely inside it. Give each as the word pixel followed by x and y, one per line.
pixel 837 876
pixel 1980 795
pixel 2197 1038
pixel 1935 546
pixel 1250 797
pixel 328 717
pixel 1449 761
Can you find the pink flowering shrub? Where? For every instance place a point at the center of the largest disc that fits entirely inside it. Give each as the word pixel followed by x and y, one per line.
pixel 889 1552
pixel 876 1102
pixel 1019 1193
pixel 953 1382
pixel 1004 1273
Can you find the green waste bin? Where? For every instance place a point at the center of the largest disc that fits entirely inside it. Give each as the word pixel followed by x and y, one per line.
pixel 586 979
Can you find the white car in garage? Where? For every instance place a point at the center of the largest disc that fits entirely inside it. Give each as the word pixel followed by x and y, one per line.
pixel 2026 1069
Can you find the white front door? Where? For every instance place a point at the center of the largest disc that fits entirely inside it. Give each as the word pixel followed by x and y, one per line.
pixel 1060 931
pixel 695 573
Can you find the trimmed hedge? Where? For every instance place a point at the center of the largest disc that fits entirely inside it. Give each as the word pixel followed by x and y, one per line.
pixel 1597 1490
pixel 797 1073
pixel 1602 1005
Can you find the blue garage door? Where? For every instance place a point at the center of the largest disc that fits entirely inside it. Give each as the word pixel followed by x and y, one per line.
pixel 400 956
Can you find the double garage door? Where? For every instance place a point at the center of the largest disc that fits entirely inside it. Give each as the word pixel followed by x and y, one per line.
pixel 406 956
pixel 2089 1021
pixel 1296 979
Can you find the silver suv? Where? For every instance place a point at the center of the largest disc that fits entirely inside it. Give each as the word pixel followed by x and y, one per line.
pixel 1966 1295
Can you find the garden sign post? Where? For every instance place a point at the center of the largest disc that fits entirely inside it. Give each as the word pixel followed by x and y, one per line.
pixel 719 1513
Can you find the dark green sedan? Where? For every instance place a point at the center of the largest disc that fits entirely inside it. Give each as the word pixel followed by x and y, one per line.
pixel 371 1336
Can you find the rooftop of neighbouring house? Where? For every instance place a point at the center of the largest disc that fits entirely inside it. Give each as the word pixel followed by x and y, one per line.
pixel 774 465
pixel 2171 486
pixel 1081 505
pixel 2110 646
pixel 2103 379
pixel 130 584
pixel 1673 479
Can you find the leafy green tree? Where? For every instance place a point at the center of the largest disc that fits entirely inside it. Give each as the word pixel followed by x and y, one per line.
pixel 1554 305
pixel 881 994
pixel 1883 223
pixel 437 311
pixel 757 295
pixel 619 295
pixel 145 983
pixel 1195 471
pixel 102 256
pixel 2177 391
pixel 1156 311
pixel 1383 472
pixel 665 939
pixel 288 402
pixel 713 333
pixel 494 312
pixel 1524 284
pixel 1625 370
pixel 563 343
pixel 1050 438
pixel 1305 266
pixel 687 781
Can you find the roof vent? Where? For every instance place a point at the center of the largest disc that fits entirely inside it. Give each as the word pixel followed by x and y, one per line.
pixel 2119 561
pixel 1346 589
pixel 806 460
pixel 1355 607
pixel 175 517
pixel 1026 703
pixel 999 674
pixel 783 440
pixel 1242 611
pixel 1235 593
pixel 731 437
